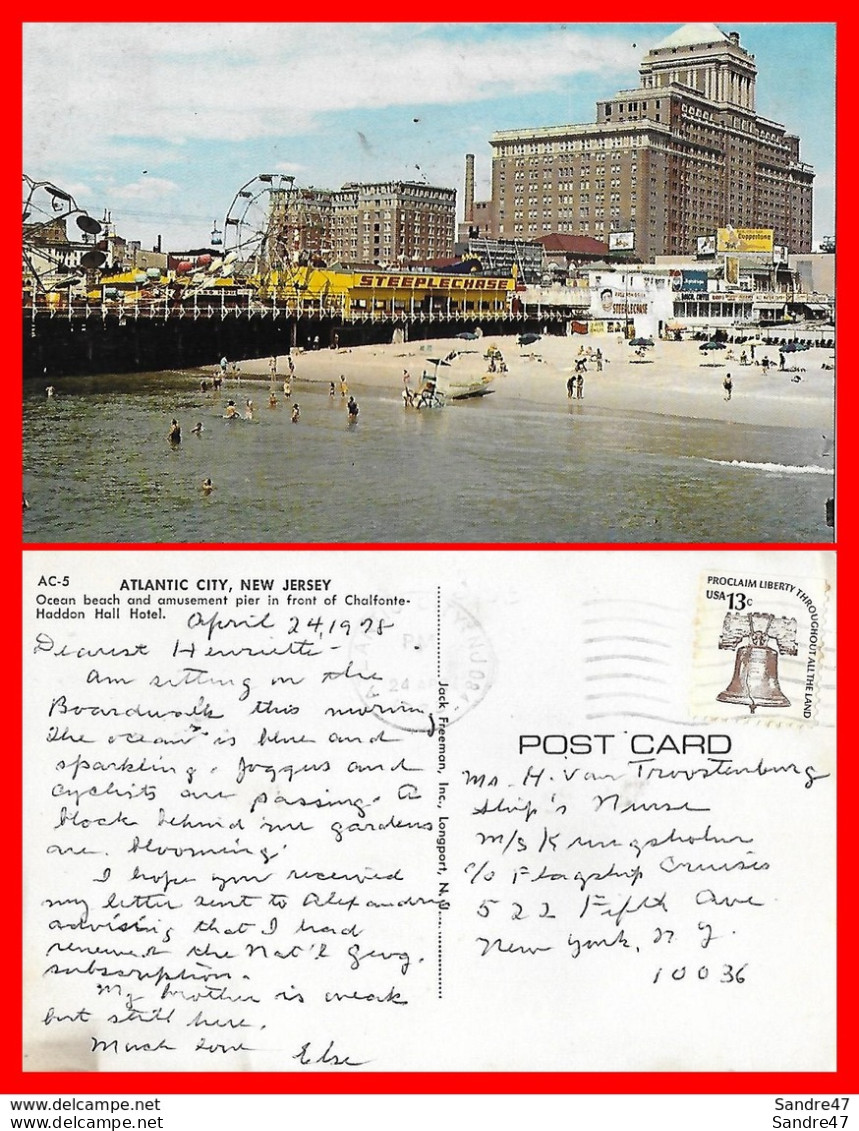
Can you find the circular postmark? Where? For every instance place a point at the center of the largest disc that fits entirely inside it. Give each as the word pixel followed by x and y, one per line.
pixel 432 665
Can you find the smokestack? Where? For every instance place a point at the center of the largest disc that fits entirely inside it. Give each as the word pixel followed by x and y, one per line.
pixel 469 188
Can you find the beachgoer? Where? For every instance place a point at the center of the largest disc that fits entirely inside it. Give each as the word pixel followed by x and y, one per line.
pixel 287 388
pixel 296 413
pixel 231 412
pixel 272 366
pixel 406 377
pixel 291 364
pixel 272 401
pixel 207 485
pixel 204 386
pixel 249 408
pixel 331 390
pixel 752 352
pixel 49 392
pixel 598 356
pixel 352 409
pixel 175 433
pixel 580 387
pixel 216 382
pixel 223 366
pixel 728 386
pixel 744 358
pixel 781 362
pixel 198 428
pixel 344 388
pixel 571 386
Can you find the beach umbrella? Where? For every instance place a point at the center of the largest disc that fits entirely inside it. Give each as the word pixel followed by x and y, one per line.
pixel 528 339
pixel 712 346
pixel 641 341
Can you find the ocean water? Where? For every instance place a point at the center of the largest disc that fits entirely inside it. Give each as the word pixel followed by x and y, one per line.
pixel 98 467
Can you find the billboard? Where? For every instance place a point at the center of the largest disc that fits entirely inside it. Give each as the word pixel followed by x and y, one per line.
pixel 744 239
pixel 706 245
pixel 732 269
pixel 621 241
pixel 694 281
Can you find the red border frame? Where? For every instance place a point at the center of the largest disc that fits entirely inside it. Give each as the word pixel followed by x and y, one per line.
pixel 844 1080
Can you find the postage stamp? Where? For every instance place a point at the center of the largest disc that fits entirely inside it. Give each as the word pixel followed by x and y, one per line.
pixel 760 649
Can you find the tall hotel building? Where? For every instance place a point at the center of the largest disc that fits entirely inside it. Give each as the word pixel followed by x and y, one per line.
pixel 677 158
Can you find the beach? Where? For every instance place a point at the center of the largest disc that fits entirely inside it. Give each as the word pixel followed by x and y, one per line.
pixel 673 379
pixel 652 451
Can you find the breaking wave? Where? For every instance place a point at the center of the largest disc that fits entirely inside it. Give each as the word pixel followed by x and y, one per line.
pixel 782 468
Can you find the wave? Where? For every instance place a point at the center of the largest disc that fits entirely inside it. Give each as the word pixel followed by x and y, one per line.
pixel 782 468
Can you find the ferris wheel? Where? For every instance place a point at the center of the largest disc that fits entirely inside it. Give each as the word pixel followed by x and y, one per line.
pixel 53 256
pixel 257 225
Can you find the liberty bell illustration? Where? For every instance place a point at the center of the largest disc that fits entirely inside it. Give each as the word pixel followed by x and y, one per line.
pixel 758 639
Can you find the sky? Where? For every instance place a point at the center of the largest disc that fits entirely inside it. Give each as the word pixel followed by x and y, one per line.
pixel 162 124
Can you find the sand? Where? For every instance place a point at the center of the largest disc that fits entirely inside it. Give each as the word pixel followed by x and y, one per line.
pixel 675 378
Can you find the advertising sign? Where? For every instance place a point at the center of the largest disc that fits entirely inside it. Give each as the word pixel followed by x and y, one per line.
pixel 744 239
pixel 621 241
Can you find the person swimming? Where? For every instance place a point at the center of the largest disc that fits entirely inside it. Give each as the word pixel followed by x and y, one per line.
pixel 198 428
pixel 207 485
pixel 232 413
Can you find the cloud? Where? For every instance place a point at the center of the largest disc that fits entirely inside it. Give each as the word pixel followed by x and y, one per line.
pixel 237 82
pixel 146 189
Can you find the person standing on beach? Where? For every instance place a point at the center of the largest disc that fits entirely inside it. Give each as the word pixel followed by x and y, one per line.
pixel 272 368
pixel 291 364
pixel 571 386
pixel 580 386
pixel 598 357
pixel 223 366
pixel 728 386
